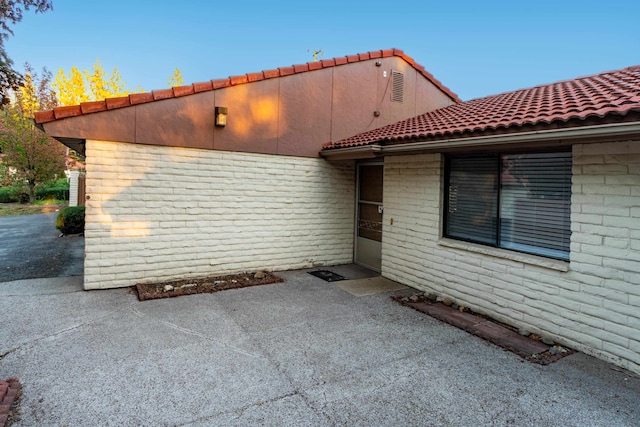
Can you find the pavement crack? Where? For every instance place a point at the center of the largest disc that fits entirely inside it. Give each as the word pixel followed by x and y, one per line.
pixel 60 332
pixel 240 411
pixel 6 353
pixel 196 334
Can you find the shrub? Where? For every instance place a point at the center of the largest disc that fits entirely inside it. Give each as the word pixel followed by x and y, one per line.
pixel 71 220
pixel 6 195
pixel 13 195
pixel 55 190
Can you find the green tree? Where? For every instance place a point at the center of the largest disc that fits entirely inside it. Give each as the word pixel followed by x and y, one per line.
pixel 176 78
pixel 11 13
pixel 30 157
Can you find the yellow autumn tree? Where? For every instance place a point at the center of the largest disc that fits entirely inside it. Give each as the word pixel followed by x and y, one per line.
pixel 83 85
pixel 35 93
pixel 70 87
pixel 176 78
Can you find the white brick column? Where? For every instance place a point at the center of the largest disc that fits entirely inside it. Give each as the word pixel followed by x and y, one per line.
pixel 73 187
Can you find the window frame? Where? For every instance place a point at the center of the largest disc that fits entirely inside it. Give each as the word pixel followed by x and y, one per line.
pixel 448 157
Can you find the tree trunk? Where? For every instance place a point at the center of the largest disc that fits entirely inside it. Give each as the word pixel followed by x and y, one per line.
pixel 32 192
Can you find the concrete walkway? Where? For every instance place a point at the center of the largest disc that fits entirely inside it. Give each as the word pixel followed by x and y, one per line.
pixel 304 352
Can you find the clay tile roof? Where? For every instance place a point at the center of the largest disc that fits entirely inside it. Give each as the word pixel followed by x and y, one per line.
pixel 157 95
pixel 140 98
pixel 162 94
pixel 610 93
pixel 117 102
pixel 183 90
pixel 92 107
pixel 202 87
pixel 254 77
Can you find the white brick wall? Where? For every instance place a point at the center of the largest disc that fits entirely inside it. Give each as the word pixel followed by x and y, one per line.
pixel 159 213
pixel 591 304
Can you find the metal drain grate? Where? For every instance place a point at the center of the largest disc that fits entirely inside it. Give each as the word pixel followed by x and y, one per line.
pixel 327 276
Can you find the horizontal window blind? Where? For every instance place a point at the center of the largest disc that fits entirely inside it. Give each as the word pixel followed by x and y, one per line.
pixel 535 204
pixel 472 204
pixel 516 201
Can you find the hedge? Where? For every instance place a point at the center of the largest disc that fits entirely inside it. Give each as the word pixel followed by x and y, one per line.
pixel 55 190
pixel 71 220
pixel 13 195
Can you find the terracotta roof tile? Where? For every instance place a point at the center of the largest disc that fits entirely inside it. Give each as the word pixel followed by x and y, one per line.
pixel 44 116
pixel 70 111
pixel 328 63
pixel 157 95
pixel 162 94
pixel 271 74
pixel 120 102
pixel 341 61
pixel 285 71
pixel 254 77
pixel 202 87
pixel 301 68
pixel 183 90
pixel 238 80
pixel 93 107
pixel 612 92
pixel 314 65
pixel 140 98
pixel 220 83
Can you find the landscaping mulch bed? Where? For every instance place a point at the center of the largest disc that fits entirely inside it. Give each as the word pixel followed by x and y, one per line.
pixel 175 288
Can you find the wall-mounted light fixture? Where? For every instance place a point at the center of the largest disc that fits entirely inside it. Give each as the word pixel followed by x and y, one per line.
pixel 221 116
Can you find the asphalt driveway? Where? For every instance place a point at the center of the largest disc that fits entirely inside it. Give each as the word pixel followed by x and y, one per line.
pixel 303 352
pixel 32 249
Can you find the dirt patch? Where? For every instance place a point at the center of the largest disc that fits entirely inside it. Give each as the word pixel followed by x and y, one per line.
pixel 176 288
pixel 11 209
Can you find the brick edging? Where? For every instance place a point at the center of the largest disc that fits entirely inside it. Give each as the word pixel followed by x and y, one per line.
pixel 9 391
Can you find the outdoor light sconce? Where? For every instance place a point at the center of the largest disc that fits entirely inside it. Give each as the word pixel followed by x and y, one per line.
pixel 221 116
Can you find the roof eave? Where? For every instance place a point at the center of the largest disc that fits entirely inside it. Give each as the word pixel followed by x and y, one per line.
pixel 352 153
pixel 542 138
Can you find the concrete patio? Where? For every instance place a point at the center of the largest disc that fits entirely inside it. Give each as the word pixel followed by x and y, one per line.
pixel 302 352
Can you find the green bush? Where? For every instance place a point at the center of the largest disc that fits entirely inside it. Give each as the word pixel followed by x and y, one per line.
pixel 13 195
pixel 71 220
pixel 6 195
pixel 55 190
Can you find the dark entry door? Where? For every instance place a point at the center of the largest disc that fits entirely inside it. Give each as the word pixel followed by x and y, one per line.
pixel 368 251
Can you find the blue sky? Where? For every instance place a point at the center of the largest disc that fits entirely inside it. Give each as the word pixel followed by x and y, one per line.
pixel 476 48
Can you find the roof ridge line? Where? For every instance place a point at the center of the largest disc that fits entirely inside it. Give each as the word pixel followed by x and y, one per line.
pixel 107 104
pixel 588 76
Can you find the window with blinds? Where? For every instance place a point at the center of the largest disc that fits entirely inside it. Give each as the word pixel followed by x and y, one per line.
pixel 520 202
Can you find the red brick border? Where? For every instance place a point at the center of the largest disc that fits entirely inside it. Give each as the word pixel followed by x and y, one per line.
pixel 9 391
